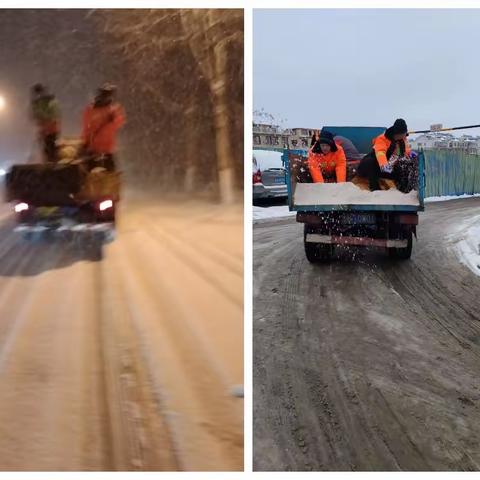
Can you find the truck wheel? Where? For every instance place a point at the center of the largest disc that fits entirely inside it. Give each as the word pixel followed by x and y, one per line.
pixel 402 253
pixel 316 252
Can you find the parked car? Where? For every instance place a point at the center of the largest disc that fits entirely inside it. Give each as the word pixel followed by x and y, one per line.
pixel 269 176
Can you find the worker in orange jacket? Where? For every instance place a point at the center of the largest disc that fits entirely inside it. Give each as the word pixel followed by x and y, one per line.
pixel 387 148
pixel 101 121
pixel 326 159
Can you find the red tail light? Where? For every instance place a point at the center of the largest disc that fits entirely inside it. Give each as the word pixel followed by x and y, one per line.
pixel 257 177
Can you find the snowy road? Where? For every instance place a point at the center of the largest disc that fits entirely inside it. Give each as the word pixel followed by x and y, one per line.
pixel 125 359
pixel 367 364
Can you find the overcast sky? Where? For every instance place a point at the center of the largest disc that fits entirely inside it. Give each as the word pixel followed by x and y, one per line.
pixel 368 67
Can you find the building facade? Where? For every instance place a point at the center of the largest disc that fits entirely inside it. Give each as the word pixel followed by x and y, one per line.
pixel 272 136
pixel 443 141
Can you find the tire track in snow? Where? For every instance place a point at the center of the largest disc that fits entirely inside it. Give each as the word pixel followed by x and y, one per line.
pixel 205 421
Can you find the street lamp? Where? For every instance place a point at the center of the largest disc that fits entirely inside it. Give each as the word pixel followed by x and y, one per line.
pixel 2 103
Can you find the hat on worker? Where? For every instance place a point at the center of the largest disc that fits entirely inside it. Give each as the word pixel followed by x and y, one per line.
pixel 400 127
pixel 39 88
pixel 107 89
pixel 327 137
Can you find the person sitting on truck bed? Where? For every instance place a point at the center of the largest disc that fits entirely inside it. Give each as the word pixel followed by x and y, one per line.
pixel 387 148
pixel 45 113
pixel 101 121
pixel 326 159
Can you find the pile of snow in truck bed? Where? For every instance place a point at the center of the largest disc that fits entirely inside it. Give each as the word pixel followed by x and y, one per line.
pixel 349 194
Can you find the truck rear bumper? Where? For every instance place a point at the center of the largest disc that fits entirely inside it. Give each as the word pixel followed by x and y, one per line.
pixel 358 241
pixel 81 227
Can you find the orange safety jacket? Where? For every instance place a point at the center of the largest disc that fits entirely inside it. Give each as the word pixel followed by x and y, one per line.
pixel 328 164
pixel 382 147
pixel 100 126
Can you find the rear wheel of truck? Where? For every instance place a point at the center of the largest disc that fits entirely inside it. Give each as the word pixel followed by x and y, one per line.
pixel 402 253
pixel 316 252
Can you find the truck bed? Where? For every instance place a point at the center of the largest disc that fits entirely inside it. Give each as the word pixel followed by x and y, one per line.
pixel 348 196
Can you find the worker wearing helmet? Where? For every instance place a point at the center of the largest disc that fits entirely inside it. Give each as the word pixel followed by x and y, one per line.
pixel 387 148
pixel 326 159
pixel 101 121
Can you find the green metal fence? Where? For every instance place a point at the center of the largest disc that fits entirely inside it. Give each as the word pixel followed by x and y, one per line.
pixel 451 173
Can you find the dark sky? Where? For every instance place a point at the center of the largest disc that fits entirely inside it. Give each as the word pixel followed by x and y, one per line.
pixel 57 48
pixel 367 66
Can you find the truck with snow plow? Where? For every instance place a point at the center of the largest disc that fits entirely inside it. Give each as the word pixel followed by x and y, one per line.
pixel 342 214
pixel 64 197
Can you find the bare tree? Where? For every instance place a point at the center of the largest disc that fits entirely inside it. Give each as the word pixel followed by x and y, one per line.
pixel 215 37
pixel 196 58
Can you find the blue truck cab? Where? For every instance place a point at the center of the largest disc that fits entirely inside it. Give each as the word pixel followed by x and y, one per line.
pixel 375 221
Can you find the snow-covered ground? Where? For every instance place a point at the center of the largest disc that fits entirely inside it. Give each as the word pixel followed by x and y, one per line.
pixel 130 358
pixel 450 197
pixel 261 213
pixel 468 248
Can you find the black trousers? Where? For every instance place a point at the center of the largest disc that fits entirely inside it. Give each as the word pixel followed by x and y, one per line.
pixel 50 147
pixel 370 169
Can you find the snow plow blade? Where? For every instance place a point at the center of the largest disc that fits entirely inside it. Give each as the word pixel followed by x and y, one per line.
pixel 87 233
pixel 87 227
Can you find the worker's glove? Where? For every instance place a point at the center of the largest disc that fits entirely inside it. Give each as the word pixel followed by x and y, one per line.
pixel 387 168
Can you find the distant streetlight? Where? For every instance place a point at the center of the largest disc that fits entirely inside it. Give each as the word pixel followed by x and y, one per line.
pixel 2 103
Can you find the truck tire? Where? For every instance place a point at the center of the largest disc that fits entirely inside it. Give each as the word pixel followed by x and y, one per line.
pixel 316 252
pixel 402 253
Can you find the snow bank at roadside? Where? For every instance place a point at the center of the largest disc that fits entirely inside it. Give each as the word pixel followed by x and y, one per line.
pixel 468 248
pixel 260 213
pixel 450 197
